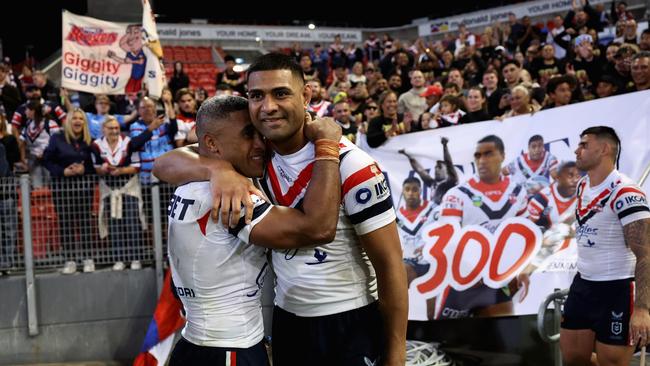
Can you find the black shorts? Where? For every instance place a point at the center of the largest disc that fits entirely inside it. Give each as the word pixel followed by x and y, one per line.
pixel 462 304
pixel 187 353
pixel 602 306
pixel 351 338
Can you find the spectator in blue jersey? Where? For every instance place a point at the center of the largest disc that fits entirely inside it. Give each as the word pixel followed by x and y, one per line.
pixel 161 142
pixel 67 158
pixel 102 109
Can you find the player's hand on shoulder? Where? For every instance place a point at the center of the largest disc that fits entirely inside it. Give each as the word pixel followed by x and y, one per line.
pixel 321 128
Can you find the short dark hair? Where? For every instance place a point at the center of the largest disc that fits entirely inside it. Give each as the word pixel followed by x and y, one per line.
pixel 228 58
pixel 217 108
pixel 453 86
pixel 605 133
pixel 451 99
pixel 556 81
pixel 276 61
pixel 641 54
pixel 535 138
pixel 496 140
pixel 413 180
pixel 566 165
pixel 513 61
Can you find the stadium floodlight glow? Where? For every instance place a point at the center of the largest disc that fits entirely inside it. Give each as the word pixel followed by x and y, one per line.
pixel 311 26
pixel 239 60
pixel 257 39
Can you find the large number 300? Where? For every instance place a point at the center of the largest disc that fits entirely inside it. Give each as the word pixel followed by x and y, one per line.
pixel 461 257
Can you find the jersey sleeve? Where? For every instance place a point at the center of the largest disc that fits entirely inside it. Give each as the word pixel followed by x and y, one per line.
pixel 452 206
pixel 630 204
pixel 365 193
pixel 260 209
pixel 536 207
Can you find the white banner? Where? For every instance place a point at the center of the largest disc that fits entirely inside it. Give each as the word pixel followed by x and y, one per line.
pixel 560 128
pixel 252 33
pixel 105 57
pixel 488 17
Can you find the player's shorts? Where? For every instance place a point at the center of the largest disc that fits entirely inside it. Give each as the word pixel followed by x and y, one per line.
pixel 187 353
pixel 133 86
pixel 419 268
pixel 462 304
pixel 351 338
pixel 602 306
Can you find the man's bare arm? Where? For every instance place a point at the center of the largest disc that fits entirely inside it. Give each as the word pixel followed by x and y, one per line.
pixel 452 176
pixel 229 189
pixel 427 179
pixel 385 252
pixel 637 237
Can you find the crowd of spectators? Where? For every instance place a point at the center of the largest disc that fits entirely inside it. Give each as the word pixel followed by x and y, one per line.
pixel 382 88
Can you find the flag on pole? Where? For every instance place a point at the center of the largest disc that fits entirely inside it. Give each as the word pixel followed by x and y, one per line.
pixel 155 71
pixel 167 320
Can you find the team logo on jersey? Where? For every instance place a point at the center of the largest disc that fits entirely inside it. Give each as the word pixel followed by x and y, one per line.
pixel 363 195
pixel 477 201
pixel 617 328
pixel 320 257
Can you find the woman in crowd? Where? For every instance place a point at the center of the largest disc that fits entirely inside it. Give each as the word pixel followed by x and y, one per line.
pixel 180 79
pixel 389 123
pixel 35 137
pixel 67 158
pixel 520 103
pixel 476 105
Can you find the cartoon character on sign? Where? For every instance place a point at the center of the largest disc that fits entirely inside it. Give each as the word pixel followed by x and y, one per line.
pixel 132 44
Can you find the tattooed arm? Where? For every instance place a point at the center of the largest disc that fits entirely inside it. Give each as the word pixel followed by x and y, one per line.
pixel 637 237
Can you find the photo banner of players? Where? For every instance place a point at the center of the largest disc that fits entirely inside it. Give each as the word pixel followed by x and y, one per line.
pixel 478 249
pixel 106 58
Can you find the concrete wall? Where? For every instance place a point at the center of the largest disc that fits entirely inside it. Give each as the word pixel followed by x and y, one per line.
pixel 86 316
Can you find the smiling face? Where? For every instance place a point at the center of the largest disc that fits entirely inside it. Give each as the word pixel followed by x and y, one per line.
pixel 239 143
pixel 277 102
pixel 77 122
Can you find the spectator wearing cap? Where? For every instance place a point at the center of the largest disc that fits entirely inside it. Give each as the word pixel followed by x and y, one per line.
pixel 411 101
pixel 230 76
pixel 586 59
pixel 607 86
pixel 641 70
pixel 476 106
pixel 559 92
pixel 9 95
pixel 432 95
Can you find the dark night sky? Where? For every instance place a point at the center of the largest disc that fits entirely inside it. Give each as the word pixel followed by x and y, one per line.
pixel 38 23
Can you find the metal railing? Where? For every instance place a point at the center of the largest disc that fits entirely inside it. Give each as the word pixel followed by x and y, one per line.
pixel 77 219
pixel 557 298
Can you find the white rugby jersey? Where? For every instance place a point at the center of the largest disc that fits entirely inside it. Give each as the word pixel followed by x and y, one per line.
pixel 185 126
pixel 409 225
pixel 549 207
pixel 477 203
pixel 121 156
pixel 601 212
pixel 321 109
pixel 522 168
pixel 218 274
pixel 338 276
